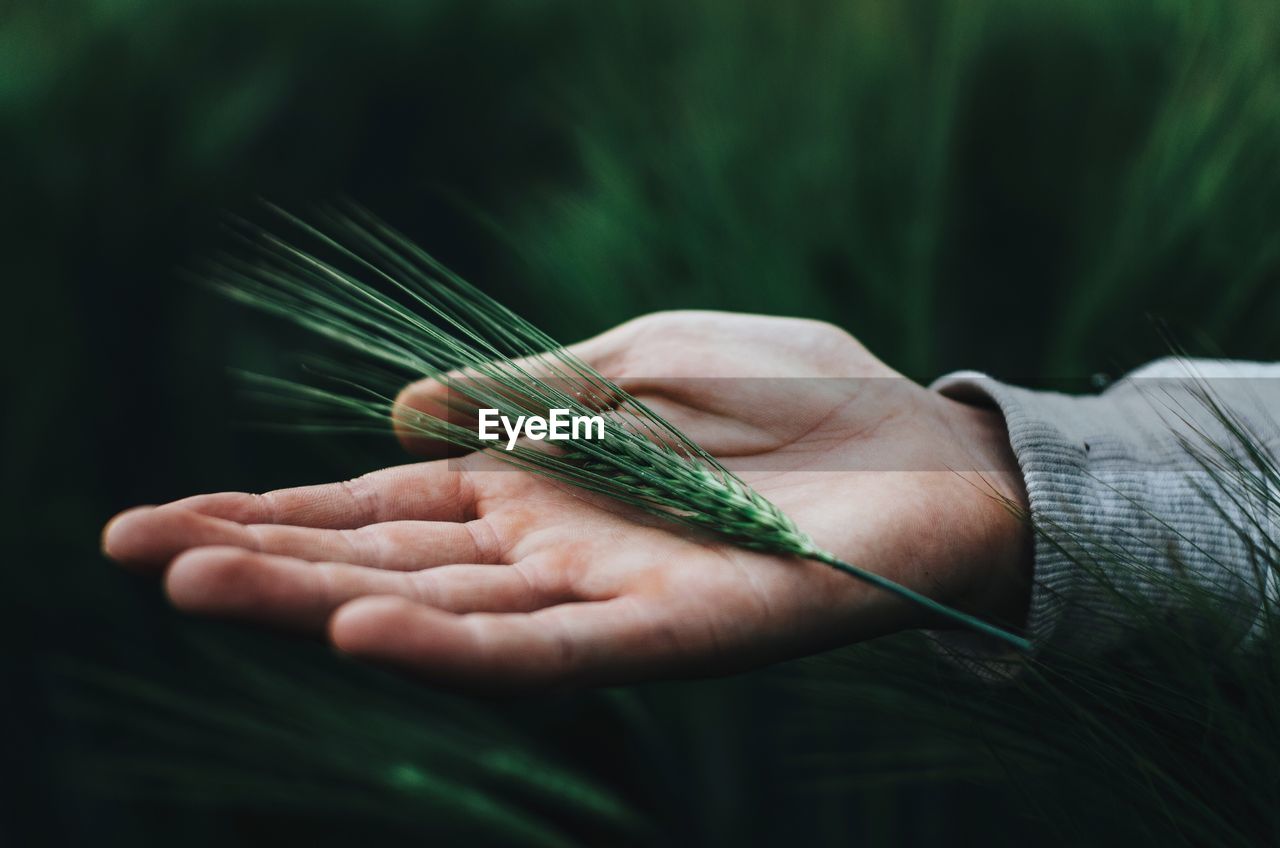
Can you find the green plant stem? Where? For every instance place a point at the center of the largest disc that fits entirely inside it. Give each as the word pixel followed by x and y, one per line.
pixel 961 618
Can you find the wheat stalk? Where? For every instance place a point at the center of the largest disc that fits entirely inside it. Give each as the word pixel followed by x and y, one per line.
pixel 441 327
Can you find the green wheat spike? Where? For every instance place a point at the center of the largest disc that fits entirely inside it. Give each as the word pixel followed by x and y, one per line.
pixel 438 326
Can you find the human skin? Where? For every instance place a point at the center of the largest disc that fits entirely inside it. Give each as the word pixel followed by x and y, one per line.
pixel 468 573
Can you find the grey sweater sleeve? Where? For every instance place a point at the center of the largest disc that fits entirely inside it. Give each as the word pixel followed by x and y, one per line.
pixel 1145 493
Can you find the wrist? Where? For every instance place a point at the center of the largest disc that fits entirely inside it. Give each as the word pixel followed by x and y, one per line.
pixel 996 512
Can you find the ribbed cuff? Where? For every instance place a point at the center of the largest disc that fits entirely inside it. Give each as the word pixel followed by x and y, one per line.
pixel 1125 529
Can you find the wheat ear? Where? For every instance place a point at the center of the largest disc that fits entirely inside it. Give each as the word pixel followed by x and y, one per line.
pixel 423 321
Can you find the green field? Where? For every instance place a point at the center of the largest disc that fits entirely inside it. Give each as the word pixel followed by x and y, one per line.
pixel 1045 192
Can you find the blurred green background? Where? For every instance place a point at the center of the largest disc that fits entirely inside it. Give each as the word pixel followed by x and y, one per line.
pixel 988 184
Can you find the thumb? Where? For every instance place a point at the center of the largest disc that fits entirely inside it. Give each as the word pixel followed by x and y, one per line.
pixel 434 397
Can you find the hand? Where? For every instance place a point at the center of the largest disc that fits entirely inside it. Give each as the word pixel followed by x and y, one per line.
pixel 468 572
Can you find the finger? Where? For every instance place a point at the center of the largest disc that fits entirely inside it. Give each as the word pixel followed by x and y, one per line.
pixel 438 491
pixel 294 593
pixel 149 537
pixel 589 642
pixel 435 398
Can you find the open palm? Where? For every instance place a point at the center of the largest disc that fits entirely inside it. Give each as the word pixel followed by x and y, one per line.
pixel 467 571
